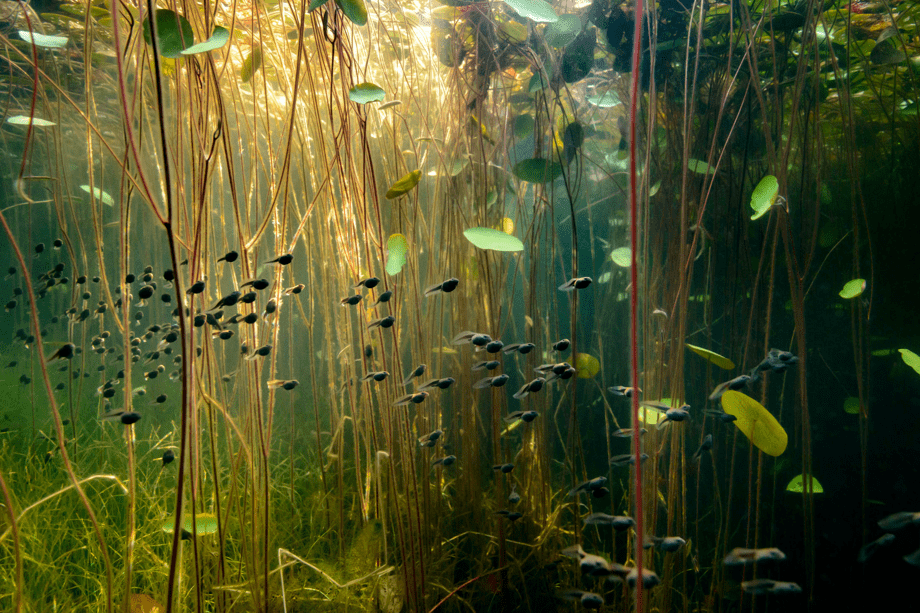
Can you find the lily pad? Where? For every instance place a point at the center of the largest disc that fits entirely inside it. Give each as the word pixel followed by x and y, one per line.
pixel 563 31
pixel 174 33
pixel 397 247
pixel 911 359
pixel 717 360
pixel 43 40
pixel 700 167
pixel 853 288
pixel 99 195
pixel 798 485
pixel 755 422
pixel 251 65
pixel 315 4
pixel 496 240
pixel 218 39
pixel 606 100
pixel 205 523
pixel 586 366
pixel 354 10
pixel 405 183
pixel 537 170
pixel 535 10
pixel 764 196
pixel 851 405
pixel 622 256
pixel 362 93
pixel 24 120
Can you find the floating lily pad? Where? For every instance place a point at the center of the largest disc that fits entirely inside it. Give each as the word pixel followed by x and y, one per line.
pixel 851 405
pixel 205 523
pixel 535 10
pixel 24 120
pixel 764 196
pixel 174 33
pixel 586 366
pixel 606 100
pixel 397 248
pixel 563 31
pixel 622 256
pixel 362 93
pixel 911 359
pixel 405 183
pixel 354 10
pixel 251 65
pixel 755 422
pixel 496 240
pixel 43 40
pixel 99 195
pixel 537 170
pixel 853 288
pixel 717 360
pixel 700 167
pixel 798 485
pixel 218 39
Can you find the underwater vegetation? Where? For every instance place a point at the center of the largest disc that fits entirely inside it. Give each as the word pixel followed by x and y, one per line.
pixel 516 305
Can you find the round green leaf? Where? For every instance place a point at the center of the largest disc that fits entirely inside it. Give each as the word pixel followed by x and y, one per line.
pixel 405 183
pixel 798 485
pixel 606 100
pixel 537 170
pixel 851 405
pixel 562 32
pixel 622 256
pixel 523 126
pixel 99 195
pixel 24 120
pixel 911 359
pixel 537 82
pixel 718 360
pixel 354 10
pixel 535 10
pixel 174 33
pixel 853 288
pixel 496 240
pixel 251 65
pixel 397 247
pixel 764 196
pixel 218 39
pixel 362 93
pixel 43 40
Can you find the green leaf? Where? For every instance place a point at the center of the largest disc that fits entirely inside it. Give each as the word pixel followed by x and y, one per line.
pixel 622 256
pixel 405 183
pixel 315 4
pixel 397 247
pixel 911 359
pixel 362 93
pixel 174 33
pixel 24 120
pixel 251 65
pixel 457 166
pixel 755 422
pixel 606 100
pixel 851 405
pixel 43 40
pixel 218 39
pixel 853 288
pixel 205 523
pixel 562 32
pixel 764 196
pixel 537 82
pixel 535 10
pixel 654 189
pixel 523 126
pixel 717 360
pixel 512 31
pixel 99 195
pixel 700 167
pixel 496 240
pixel 798 485
pixel 537 170
pixel 354 10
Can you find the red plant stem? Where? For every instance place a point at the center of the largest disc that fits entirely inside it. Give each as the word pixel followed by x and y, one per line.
pixel 634 296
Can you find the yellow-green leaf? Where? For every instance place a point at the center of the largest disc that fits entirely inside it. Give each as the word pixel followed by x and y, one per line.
pixel 798 485
pixel 755 422
pixel 911 359
pixel 764 196
pixel 354 10
pixel 718 360
pixel 397 247
pixel 622 256
pixel 406 183
pixel 851 405
pixel 363 93
pixel 853 288
pixel 251 65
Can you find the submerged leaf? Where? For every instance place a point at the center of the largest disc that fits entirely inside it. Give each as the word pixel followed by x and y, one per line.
pixel 562 32
pixel 405 183
pixel 718 360
pixel 536 10
pixel 606 100
pixel 700 167
pixel 798 485
pixel 174 33
pixel 397 247
pixel 622 256
pixel 911 359
pixel 851 405
pixel 251 65
pixel 755 422
pixel 24 120
pixel 496 240
pixel 43 40
pixel 362 93
pixel 586 365
pixel 853 288
pixel 99 195
pixel 205 523
pixel 523 126
pixel 218 39
pixel 764 196
pixel 537 170
pixel 354 10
